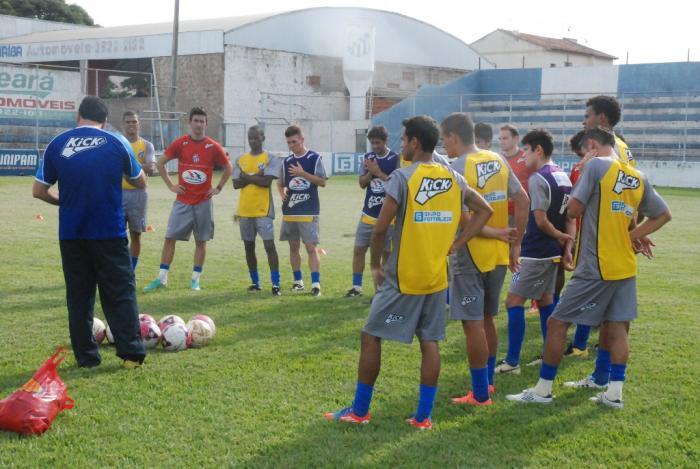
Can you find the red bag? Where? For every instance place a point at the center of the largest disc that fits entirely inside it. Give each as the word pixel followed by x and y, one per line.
pixel 31 409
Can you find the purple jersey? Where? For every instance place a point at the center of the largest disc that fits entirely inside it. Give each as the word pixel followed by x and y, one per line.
pixel 549 190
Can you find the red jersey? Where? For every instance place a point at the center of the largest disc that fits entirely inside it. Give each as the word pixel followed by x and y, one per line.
pixel 576 173
pixel 521 171
pixel 196 161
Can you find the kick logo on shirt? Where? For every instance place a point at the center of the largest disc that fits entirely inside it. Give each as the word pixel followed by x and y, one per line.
pixel 625 182
pixel 193 176
pixel 430 187
pixel 375 201
pixel 78 144
pixel 297 199
pixel 485 171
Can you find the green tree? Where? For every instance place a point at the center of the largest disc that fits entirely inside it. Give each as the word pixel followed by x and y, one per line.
pixel 52 10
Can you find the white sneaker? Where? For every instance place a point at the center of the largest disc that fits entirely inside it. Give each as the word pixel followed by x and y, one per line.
pixel 504 368
pixel 529 396
pixel 535 362
pixel 602 399
pixel 586 383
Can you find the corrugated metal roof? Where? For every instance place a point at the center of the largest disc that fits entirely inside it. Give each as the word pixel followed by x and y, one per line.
pixel 212 24
pixel 563 45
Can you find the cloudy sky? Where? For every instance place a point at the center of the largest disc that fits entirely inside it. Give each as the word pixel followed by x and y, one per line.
pixel 648 33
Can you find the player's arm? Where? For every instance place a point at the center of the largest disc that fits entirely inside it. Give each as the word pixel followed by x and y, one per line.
pixel 259 180
pixel 650 225
pixel 568 257
pixel 547 228
pixel 521 204
pixel 162 161
pixel 507 235
pixel 479 213
pixel 365 175
pixel 376 244
pixel 228 169
pixel 43 192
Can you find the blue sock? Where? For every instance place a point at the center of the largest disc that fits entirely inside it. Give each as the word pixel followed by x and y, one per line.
pixel 556 298
pixel 356 279
pixel 516 334
pixel 601 375
pixel 297 275
pixel 426 398
pixel 491 365
pixel 545 313
pixel 275 277
pixel 617 371
pixel 548 372
pixel 581 337
pixel 254 277
pixel 197 268
pixel 363 397
pixel 165 266
pixel 315 277
pixel 480 383
pixel 134 262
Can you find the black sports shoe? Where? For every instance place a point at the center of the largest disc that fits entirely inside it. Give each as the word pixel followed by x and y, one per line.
pixel 316 291
pixel 353 292
pixel 276 290
pixel 297 287
pixel 254 288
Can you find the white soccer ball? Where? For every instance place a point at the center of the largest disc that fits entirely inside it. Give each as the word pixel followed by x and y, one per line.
pixel 98 330
pixel 145 317
pixel 150 334
pixel 208 320
pixel 176 337
pixel 170 319
pixel 108 334
pixel 201 332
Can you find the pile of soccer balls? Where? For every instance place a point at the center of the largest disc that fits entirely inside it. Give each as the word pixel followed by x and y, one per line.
pixel 171 331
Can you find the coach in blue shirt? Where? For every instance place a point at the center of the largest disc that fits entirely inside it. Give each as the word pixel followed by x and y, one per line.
pixel 88 163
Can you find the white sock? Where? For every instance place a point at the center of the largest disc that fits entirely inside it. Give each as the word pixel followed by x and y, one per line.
pixel 163 276
pixel 357 287
pixel 614 391
pixel 196 275
pixel 543 387
pixel 315 285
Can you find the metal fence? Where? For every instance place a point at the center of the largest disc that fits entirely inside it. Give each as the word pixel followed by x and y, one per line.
pixel 657 125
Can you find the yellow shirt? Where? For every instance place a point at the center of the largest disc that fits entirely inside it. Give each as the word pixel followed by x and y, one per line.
pixel 255 201
pixel 139 147
pixel 430 206
pixel 623 152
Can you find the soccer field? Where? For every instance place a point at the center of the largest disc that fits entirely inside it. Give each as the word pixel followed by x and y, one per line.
pixel 256 395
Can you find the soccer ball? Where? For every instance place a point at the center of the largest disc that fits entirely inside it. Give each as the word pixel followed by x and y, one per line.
pixel 150 334
pixel 108 334
pixel 170 319
pixel 176 337
pixel 98 330
pixel 201 332
pixel 145 317
pixel 208 320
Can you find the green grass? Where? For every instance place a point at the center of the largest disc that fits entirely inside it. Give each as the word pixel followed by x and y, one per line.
pixel 255 396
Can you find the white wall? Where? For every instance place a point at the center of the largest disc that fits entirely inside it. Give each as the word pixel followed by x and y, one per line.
pixel 671 173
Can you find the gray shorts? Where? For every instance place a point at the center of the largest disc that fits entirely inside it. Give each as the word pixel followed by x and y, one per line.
pixel 184 219
pixel 536 278
pixel 472 295
pixel 134 203
pixel 363 235
pixel 590 302
pixel 399 317
pixel 307 231
pixel 250 227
